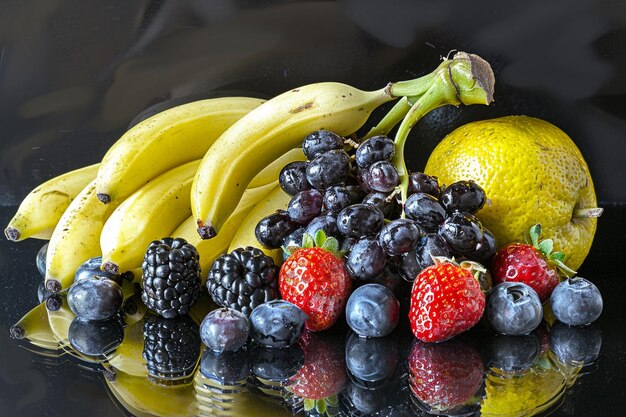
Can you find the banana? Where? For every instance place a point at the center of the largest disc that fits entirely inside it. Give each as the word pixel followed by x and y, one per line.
pixel 128 356
pixel 151 213
pixel 76 237
pixel 164 141
pixel 35 328
pixel 41 209
pixel 210 249
pixel 275 200
pixel 267 132
pixel 271 172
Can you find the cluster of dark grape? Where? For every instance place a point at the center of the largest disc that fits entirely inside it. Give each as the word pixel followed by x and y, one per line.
pixel 351 195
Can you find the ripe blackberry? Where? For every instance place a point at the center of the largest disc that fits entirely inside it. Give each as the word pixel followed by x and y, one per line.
pixel 171 346
pixel 243 279
pixel 171 277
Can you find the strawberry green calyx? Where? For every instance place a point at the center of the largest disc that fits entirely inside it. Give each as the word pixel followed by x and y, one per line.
pixel 324 406
pixel 546 247
pixel 320 240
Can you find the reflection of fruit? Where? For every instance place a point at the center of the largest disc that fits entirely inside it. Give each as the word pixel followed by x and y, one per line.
pixel 531 171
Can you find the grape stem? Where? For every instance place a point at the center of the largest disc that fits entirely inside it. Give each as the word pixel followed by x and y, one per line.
pixel 465 79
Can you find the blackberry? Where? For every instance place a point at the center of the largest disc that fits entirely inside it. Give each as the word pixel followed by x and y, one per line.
pixel 171 277
pixel 243 279
pixel 171 346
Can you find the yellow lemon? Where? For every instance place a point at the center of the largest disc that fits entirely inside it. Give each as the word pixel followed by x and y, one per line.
pixel 532 172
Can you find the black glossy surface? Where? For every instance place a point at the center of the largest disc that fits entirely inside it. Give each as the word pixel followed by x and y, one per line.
pixel 75 74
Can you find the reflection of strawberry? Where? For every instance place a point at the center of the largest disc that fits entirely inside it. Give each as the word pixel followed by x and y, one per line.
pixel 316 280
pixel 532 264
pixel 444 375
pixel 446 300
pixel 323 374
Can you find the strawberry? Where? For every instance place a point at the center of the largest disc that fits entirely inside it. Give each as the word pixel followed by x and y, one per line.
pixel 446 300
pixel 533 264
pixel 445 375
pixel 315 279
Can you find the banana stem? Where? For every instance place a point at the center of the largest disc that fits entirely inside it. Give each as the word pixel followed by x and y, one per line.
pixel 392 118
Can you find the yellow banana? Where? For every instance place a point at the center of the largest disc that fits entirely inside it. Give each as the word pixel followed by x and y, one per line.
pixel 41 209
pixel 275 200
pixel 210 249
pixel 164 141
pixel 34 327
pixel 271 172
pixel 151 213
pixel 267 132
pixel 76 237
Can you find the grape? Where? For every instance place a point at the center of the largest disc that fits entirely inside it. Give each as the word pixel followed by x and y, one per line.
pixel 319 142
pixel 360 220
pixel 422 183
pixel 336 198
pixel 305 206
pixel 272 229
pixel 485 251
pixel 374 149
pixel 329 168
pixel 466 196
pixel 407 265
pixel 462 231
pixel 399 236
pixel 366 259
pixel 383 176
pixel 356 193
pixel 425 210
pixel 325 222
pixel 390 207
pixel 292 178
pixel 431 245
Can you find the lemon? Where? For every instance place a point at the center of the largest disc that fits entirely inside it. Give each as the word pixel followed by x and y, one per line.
pixel 532 172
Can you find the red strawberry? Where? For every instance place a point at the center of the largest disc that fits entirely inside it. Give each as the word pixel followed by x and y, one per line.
pixel 533 264
pixel 444 375
pixel 316 280
pixel 446 300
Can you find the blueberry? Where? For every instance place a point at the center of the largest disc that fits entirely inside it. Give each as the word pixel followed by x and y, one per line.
pixel 277 323
pixel 95 299
pixel 374 149
pixel 575 344
pixel 371 360
pixel 95 338
pixel 423 183
pixel 325 222
pixel 276 364
pixel 425 210
pixel 366 259
pixel 399 236
pixel 319 142
pixel 224 329
pixel 305 205
pixel 383 177
pixel 93 268
pixel 328 169
pixel 292 178
pixel 336 198
pixel 466 196
pixel 40 260
pixel 462 231
pixel 576 301
pixel 372 311
pixel 429 246
pixel 514 353
pixel 272 229
pixel 227 368
pixel 360 220
pixel 513 308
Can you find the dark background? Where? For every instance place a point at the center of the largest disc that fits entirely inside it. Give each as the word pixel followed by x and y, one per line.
pixel 74 74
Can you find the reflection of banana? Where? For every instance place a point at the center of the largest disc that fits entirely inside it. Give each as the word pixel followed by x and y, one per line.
pixel 128 356
pixel 267 132
pixel 41 209
pixel 34 327
pixel 277 199
pixel 144 398
pixel 76 238
pixel 151 213
pixel 164 141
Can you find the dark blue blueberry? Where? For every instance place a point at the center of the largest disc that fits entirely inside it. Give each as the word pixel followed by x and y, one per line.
pixel 227 368
pixel 272 229
pixel 429 246
pixel 576 301
pixel 371 360
pixel 305 206
pixel 319 142
pixel 383 177
pixel 360 220
pixel 276 364
pixel 95 299
pixel 425 210
pixel 336 198
pixel 399 236
pixel 575 344
pixel 374 149
pixel 95 338
pixel 462 231
pixel 366 259
pixel 224 329
pixel 325 222
pixel 277 323
pixel 292 178
pixel 513 308
pixel 40 260
pixel 465 196
pixel 372 311
pixel 93 268
pixel 388 204
pixel 328 169
pixel 514 353
pixel 423 183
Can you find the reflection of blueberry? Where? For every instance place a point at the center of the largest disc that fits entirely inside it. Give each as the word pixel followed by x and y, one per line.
pixel 371 359
pixel 366 401
pixel 224 329
pixel 95 338
pixel 575 343
pixel 227 368
pixel 40 260
pixel 372 311
pixel 276 364
pixel 576 301
pixel 277 323
pixel 514 353
pixel 513 308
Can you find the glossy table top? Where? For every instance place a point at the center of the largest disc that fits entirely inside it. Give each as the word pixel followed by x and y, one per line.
pixel 77 74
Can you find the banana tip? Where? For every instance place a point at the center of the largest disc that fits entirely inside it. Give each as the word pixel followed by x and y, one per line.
pixel 207 231
pixel 12 234
pixel 53 285
pixel 105 198
pixel 17 332
pixel 111 268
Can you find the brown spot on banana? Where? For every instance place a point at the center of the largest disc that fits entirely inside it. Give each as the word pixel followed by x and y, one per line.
pixel 303 107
